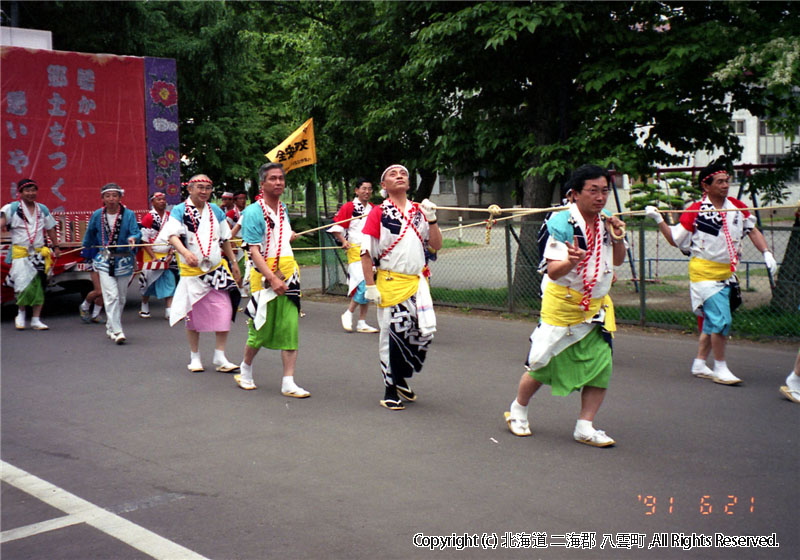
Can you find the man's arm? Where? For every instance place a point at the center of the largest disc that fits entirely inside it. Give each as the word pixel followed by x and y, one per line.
pixel 53 235
pixel 277 285
pixel 188 257
pixel 340 238
pixel 558 269
pixel 761 244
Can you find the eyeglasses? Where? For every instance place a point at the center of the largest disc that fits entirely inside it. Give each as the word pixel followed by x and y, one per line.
pixel 204 187
pixel 595 192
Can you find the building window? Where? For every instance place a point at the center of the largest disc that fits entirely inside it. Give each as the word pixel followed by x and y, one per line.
pixel 446 184
pixel 738 127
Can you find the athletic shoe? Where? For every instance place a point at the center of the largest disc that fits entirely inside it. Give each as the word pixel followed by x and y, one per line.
pixel 596 439
pixel 96 319
pixel 19 322
pixel 347 321
pixel 144 314
pixel 246 384
pixel 85 316
pixel 363 327
pixel 725 377
pixel 37 325
pixel 119 337
pixel 517 426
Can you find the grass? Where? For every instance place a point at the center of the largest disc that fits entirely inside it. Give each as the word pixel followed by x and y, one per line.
pixel 307 258
pixel 456 244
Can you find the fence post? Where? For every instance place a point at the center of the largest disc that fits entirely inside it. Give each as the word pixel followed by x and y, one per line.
pixel 323 262
pixel 509 274
pixel 642 284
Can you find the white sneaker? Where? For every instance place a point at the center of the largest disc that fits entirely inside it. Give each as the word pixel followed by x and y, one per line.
pixel 119 337
pixel 363 327
pixel 19 323
pixel 725 377
pixel 37 325
pixel 347 321
pixel 596 439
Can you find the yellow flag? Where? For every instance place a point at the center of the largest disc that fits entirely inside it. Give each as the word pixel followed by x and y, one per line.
pixel 298 150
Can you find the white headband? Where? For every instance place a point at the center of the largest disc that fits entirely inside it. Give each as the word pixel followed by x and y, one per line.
pixel 385 171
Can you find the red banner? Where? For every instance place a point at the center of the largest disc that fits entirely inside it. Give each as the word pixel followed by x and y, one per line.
pixel 73 122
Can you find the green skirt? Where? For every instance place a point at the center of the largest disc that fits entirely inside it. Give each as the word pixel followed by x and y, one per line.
pixel 279 332
pixel 585 363
pixel 33 294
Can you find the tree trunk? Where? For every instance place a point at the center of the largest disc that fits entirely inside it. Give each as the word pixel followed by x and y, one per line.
pixel 423 191
pixel 311 204
pixel 537 193
pixel 786 295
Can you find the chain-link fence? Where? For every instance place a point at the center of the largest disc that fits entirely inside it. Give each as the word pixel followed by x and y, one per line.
pixel 651 288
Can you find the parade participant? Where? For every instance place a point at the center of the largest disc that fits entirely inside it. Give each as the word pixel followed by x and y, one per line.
pixel 571 347
pixel 349 235
pixel 394 237
pixel 226 202
pixel 235 212
pixel 792 388
pixel 207 294
pixel 274 305
pixel 159 282
pixel 91 307
pixel 233 216
pixel 714 241
pixel 110 229
pixel 29 258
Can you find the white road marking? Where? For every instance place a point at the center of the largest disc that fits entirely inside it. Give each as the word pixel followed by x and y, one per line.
pixel 79 510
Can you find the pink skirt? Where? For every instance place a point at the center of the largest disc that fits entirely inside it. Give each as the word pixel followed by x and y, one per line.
pixel 211 314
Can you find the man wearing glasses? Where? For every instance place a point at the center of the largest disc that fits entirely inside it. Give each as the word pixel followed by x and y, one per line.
pixel 571 348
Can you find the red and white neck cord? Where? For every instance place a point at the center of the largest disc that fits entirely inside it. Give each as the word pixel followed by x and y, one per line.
pixel 105 224
pixel 402 233
pixel 594 247
pixel 32 239
pixel 728 240
pixel 280 232
pixel 197 231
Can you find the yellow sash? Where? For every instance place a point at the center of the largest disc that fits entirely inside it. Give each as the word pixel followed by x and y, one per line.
pixel 147 258
pixel 701 270
pixel 287 267
pixel 395 287
pixel 187 270
pixel 354 254
pixel 20 252
pixel 561 308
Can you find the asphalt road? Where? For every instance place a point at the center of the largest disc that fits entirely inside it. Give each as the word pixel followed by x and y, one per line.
pixel 175 457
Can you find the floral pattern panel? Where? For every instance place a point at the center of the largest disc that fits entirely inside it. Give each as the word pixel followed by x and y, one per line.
pixel 161 126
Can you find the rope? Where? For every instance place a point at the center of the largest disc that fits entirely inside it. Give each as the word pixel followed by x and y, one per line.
pixel 749 208
pixel 332 224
